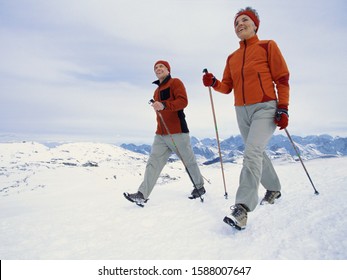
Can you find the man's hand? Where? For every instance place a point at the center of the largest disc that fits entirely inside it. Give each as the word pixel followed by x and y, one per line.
pixel 158 106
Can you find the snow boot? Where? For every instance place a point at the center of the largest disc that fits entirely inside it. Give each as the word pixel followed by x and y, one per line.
pixel 270 197
pixel 136 198
pixel 197 193
pixel 238 217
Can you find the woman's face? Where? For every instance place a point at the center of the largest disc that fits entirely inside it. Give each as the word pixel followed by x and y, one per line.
pixel 245 27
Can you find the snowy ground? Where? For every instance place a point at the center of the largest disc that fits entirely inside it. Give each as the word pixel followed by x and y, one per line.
pixel 55 205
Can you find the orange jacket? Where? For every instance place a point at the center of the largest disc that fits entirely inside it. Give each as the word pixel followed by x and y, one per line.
pixel 172 93
pixel 253 71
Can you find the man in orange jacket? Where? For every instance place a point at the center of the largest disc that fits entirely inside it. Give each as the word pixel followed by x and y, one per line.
pixel 258 74
pixel 172 135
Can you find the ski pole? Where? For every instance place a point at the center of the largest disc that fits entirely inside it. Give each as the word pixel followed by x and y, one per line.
pixel 298 154
pixel 177 151
pixel 217 136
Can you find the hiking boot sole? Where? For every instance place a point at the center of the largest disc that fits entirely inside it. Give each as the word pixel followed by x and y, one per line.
pixel 231 223
pixel 126 195
pixel 197 197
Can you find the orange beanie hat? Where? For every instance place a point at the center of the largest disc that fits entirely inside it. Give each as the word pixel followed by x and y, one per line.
pixel 167 65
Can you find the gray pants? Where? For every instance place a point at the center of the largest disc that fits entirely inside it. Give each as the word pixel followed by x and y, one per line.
pixel 162 148
pixel 256 124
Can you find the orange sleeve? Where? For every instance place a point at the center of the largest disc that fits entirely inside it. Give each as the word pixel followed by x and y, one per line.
pixel 226 85
pixel 280 73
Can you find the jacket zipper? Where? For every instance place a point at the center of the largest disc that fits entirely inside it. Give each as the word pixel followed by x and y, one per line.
pixel 242 74
pixel 159 122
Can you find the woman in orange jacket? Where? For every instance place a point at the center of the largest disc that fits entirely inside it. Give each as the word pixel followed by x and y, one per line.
pixel 258 75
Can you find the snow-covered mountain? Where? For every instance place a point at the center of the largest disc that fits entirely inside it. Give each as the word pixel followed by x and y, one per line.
pixel 310 147
pixel 22 162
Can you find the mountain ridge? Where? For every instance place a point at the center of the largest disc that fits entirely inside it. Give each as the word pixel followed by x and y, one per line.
pixel 279 147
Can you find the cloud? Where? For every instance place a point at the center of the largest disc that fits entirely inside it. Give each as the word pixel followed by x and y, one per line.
pixel 87 66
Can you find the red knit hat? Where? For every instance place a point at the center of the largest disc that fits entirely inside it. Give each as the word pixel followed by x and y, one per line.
pixel 167 65
pixel 252 15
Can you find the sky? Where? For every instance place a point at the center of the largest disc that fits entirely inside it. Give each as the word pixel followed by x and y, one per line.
pixel 83 69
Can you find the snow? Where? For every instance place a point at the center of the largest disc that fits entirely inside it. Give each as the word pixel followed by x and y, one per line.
pixel 55 205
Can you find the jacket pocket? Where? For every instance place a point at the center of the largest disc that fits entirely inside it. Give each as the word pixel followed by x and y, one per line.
pixel 261 83
pixel 265 97
pixel 165 94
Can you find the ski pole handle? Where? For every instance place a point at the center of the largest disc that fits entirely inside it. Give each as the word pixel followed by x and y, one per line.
pixel 205 71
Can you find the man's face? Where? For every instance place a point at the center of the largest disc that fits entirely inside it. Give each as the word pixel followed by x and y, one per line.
pixel 161 71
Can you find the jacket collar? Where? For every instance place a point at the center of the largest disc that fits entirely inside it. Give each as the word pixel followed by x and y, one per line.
pixel 250 41
pixel 157 82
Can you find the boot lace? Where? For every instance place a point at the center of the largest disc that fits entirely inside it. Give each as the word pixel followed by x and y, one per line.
pixel 238 211
pixel 137 196
pixel 270 196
